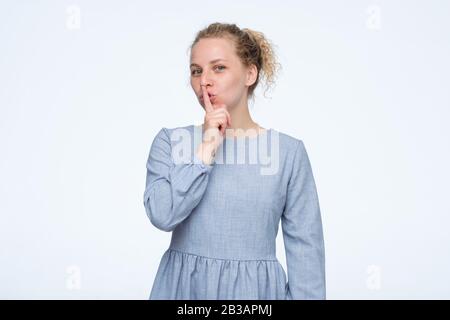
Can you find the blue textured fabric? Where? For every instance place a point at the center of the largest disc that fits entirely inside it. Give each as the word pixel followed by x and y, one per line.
pixel 224 218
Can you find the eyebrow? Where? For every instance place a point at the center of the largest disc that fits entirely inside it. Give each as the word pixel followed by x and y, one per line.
pixel 211 62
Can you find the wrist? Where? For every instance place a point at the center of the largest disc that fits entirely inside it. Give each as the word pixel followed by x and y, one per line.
pixel 206 151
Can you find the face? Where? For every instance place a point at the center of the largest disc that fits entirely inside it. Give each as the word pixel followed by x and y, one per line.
pixel 214 64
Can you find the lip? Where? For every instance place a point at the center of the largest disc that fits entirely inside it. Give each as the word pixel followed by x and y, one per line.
pixel 210 96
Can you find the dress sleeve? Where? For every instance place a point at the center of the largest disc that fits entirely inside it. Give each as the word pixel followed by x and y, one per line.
pixel 172 190
pixel 302 233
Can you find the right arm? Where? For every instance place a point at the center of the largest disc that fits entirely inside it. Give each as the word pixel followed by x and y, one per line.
pixel 172 190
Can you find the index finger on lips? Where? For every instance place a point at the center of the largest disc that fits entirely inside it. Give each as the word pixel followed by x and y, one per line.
pixel 206 101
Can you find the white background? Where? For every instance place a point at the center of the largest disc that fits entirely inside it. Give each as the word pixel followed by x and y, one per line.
pixel 86 85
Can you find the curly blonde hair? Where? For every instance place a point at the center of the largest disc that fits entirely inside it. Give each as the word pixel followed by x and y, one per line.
pixel 252 47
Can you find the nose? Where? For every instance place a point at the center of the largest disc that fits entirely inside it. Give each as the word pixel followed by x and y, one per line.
pixel 205 79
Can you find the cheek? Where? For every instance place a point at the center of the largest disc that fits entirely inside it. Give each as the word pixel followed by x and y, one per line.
pixel 232 84
pixel 231 92
pixel 195 85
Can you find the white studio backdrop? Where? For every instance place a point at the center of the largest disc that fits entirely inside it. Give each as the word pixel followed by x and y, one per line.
pixel 86 85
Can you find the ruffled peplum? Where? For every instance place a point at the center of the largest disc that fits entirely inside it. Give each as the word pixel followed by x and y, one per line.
pixel 186 276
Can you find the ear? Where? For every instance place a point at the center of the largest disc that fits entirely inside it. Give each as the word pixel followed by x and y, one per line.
pixel 252 74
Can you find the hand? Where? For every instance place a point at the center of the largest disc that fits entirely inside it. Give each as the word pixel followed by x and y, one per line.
pixel 217 118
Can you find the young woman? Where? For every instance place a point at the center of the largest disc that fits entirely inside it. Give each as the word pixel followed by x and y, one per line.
pixel 225 215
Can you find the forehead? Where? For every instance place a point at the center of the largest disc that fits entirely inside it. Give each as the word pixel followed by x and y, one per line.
pixel 207 50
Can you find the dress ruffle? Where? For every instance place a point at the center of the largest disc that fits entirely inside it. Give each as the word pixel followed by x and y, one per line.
pixel 186 276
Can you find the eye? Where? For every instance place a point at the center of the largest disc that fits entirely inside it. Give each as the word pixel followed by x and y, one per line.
pixel 193 72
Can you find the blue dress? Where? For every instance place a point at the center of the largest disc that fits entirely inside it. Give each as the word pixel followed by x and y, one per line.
pixel 224 218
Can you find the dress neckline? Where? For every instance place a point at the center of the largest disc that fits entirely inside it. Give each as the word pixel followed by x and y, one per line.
pixel 261 133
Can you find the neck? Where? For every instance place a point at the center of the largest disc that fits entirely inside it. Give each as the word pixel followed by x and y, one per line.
pixel 240 116
pixel 241 119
